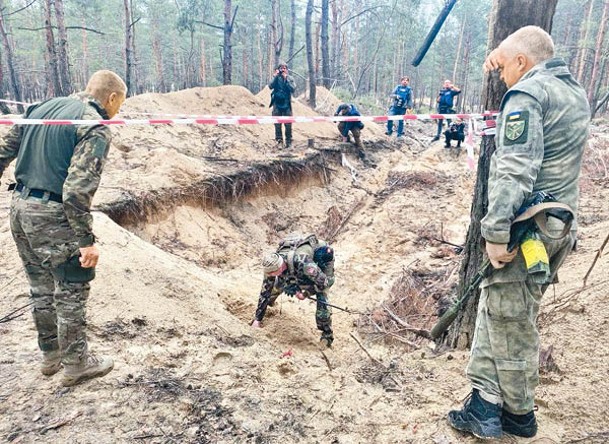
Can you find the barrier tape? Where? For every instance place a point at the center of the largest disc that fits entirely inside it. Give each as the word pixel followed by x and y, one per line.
pixel 243 120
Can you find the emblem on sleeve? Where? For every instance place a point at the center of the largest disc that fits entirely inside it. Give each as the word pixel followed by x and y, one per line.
pixel 516 127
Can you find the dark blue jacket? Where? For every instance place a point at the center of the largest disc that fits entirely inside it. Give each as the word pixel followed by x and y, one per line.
pixel 445 98
pixel 347 109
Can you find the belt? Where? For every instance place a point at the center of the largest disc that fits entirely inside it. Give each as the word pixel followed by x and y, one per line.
pixel 41 194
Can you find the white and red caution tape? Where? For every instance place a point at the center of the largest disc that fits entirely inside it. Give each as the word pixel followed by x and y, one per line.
pixel 242 120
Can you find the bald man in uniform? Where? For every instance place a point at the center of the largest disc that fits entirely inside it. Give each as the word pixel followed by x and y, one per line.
pixel 58 170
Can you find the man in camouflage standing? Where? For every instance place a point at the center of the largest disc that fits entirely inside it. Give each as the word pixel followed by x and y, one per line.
pixel 541 134
pixel 58 170
pixel 302 266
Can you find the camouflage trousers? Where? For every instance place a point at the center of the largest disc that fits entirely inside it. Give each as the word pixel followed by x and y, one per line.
pixel 504 360
pixel 45 241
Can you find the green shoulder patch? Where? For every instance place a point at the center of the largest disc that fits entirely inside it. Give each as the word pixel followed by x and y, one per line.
pixel 516 130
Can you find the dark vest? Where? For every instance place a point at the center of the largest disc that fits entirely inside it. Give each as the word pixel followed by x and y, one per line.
pixel 46 150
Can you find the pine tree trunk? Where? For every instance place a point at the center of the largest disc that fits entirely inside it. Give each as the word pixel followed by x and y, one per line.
pixel 62 50
pixel 129 56
pixel 598 58
pixel 325 49
pixel 53 83
pixel 335 57
pixel 227 59
pixel 157 53
pixel 583 49
pixel 310 61
pixel 13 81
pixel 276 31
pixel 203 67
pixel 506 17
pixel 85 55
pixel 292 29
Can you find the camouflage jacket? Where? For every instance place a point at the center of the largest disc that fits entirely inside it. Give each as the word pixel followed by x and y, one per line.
pixel 84 172
pixel 307 275
pixel 542 129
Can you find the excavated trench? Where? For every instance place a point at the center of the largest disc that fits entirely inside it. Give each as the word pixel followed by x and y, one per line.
pixel 225 222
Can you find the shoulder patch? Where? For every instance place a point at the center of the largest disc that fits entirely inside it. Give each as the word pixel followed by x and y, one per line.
pixel 516 129
pixel 311 270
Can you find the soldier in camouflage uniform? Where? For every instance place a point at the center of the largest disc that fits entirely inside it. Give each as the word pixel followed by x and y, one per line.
pixel 541 133
pixel 302 266
pixel 58 170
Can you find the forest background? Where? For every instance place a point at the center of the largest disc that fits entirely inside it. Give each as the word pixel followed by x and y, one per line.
pixel 357 48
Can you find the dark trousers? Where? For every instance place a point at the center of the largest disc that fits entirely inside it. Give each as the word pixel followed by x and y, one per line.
pixel 396 111
pixel 440 121
pixel 288 126
pixel 454 136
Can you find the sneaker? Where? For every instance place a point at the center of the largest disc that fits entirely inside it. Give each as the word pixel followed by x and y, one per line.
pixel 51 363
pixel 519 425
pixel 478 417
pixel 92 368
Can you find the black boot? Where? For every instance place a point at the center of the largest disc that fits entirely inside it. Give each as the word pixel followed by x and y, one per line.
pixel 519 425
pixel 479 417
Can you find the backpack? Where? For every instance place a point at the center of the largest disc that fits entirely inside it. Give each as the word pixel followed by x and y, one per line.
pixel 288 246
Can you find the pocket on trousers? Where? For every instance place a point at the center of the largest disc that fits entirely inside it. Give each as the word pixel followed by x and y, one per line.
pixel 507 302
pixel 512 378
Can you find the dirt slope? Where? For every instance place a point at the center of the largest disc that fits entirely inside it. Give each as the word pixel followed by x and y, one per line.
pixel 175 294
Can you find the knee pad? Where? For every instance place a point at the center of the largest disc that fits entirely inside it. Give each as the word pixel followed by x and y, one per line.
pixel 72 271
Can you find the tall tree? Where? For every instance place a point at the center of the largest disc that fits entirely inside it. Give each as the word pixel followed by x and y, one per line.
pixel 325 50
pixel 129 51
pixel 276 31
pixel 309 44
pixel 13 81
pixel 63 62
pixel 506 17
pixel 227 58
pixel 53 82
pixel 598 58
pixel 292 29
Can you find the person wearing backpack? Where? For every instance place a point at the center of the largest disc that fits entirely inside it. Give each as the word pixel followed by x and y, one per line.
pixel 402 101
pixel 302 266
pixel 282 87
pixel 445 104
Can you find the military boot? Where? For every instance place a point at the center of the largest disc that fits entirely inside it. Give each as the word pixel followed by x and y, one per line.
pixel 51 363
pixel 327 338
pixel 519 425
pixel 479 417
pixel 90 368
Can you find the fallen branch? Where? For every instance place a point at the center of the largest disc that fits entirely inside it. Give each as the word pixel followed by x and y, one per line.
pixel 588 436
pixel 14 314
pixel 417 331
pixel 598 254
pixel 373 359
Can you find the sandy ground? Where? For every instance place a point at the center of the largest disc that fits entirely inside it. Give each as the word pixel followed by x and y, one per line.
pixel 175 295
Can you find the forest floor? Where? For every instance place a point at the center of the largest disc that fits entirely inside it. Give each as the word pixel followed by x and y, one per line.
pixel 184 214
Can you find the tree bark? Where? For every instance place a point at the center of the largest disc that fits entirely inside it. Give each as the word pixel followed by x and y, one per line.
pixel 583 49
pixel 292 29
pixel 227 59
pixel 62 50
pixel 129 56
pixel 325 50
pixel 13 81
pixel 598 58
pixel 276 31
pixel 53 82
pixel 310 61
pixel 506 17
